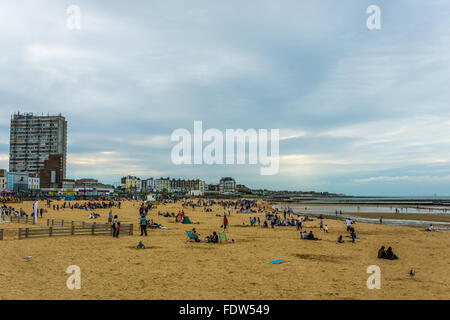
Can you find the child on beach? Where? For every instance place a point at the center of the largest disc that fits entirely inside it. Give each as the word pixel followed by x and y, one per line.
pixel 353 235
pixel 140 245
pixel 117 230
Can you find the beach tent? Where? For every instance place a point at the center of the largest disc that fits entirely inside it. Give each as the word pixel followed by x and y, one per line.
pixel 186 220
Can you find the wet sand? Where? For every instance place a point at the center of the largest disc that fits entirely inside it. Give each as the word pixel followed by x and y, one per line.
pixel 172 268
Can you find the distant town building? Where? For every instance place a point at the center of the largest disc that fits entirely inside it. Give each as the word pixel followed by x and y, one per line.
pixel 131 184
pixel 148 185
pixel 33 138
pixel 22 182
pixel 3 179
pixel 52 174
pixel 196 186
pixel 162 184
pixel 184 186
pixel 68 184
pixel 227 185
pixel 81 187
pixel 213 188
pixel 242 188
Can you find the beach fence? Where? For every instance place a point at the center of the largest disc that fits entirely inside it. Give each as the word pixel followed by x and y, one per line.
pixel 74 230
pixel 1 234
pixel 67 223
pixel 25 219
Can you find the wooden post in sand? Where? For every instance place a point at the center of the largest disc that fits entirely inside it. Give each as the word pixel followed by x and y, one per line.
pixel 93 229
pixel 27 230
pixel 50 231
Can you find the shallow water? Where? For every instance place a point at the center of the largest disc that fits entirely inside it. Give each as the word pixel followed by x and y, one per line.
pixel 362 208
pixel 330 213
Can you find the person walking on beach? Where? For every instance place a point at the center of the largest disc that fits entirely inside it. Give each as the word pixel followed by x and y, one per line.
pixel 143 223
pixel 225 223
pixel 381 220
pixel 349 224
pixel 110 216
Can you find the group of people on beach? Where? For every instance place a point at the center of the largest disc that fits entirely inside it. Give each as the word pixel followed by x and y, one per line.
pixel 386 254
pixel 12 212
pixel 213 238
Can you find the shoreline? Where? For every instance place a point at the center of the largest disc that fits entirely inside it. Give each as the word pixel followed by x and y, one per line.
pixel 401 219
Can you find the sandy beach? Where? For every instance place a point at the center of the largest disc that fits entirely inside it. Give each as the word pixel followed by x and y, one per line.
pixel 172 268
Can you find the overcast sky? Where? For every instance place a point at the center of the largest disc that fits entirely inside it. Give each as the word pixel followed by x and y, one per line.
pixel 363 112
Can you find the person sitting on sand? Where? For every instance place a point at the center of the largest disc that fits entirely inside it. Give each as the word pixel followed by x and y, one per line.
pixel 340 240
pixel 382 253
pixel 310 236
pixel 195 235
pixel 430 228
pixel 213 238
pixel 390 254
pixel 140 245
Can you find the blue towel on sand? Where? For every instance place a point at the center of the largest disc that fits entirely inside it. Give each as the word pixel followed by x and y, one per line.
pixel 276 261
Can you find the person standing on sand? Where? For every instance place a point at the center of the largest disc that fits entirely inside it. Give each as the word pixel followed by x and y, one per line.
pixel 110 216
pixel 225 223
pixel 348 222
pixel 381 220
pixel 117 230
pixel 114 225
pixel 353 235
pixel 143 223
